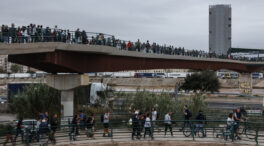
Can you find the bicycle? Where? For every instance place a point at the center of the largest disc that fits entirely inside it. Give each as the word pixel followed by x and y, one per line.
pixel 225 133
pixel 197 129
pixel 244 128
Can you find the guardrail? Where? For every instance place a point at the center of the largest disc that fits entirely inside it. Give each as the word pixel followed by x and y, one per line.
pixel 249 132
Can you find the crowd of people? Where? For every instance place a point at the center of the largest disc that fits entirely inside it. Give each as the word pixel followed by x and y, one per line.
pixel 142 124
pixel 37 33
pixel 44 127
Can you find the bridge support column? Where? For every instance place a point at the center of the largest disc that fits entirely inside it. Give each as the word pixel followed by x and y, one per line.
pixel 66 84
pixel 245 83
pixel 67 103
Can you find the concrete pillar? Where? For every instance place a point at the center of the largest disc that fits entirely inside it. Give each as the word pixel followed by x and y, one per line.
pixel 66 84
pixel 245 83
pixel 67 103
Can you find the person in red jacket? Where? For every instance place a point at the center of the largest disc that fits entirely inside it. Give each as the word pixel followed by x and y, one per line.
pixel 129 46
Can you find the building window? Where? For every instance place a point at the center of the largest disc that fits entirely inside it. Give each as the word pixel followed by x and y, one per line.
pixel 229 25
pixel 229 18
pixel 210 13
pixel 210 32
pixel 229 38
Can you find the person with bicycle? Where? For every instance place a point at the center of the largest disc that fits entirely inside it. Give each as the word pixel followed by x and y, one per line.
pixel 187 116
pixel 201 120
pixel 238 117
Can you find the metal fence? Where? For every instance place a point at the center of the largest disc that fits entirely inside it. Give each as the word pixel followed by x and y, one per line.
pixel 210 131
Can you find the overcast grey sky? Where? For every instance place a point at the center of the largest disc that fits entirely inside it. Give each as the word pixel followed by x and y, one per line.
pixel 171 22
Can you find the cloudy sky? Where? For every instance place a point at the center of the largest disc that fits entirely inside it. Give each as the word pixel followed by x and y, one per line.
pixel 171 22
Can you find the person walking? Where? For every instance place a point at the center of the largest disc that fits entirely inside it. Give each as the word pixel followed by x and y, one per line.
pixel 54 125
pixel 106 124
pixel 74 126
pixel 43 130
pixel 10 131
pixel 19 130
pixel 154 115
pixel 135 126
pixel 168 124
pixel 229 122
pixel 187 116
pixel 90 124
pixel 201 120
pixel 147 127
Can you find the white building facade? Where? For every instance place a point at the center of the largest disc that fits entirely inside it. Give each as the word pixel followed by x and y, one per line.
pixel 220 29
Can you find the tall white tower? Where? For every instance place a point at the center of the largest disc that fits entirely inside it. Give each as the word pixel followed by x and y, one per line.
pixel 219 29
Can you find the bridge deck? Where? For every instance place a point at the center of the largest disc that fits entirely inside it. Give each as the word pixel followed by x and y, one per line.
pixel 56 56
pixel 16 49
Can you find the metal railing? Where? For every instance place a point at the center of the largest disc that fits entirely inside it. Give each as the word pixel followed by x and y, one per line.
pixel 212 131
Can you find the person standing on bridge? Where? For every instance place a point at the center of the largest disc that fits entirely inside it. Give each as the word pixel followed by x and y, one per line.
pixel 138 45
pixel 84 37
pixel 77 36
pixel 5 33
pixel 106 123
pixel 1 30
pixel 168 124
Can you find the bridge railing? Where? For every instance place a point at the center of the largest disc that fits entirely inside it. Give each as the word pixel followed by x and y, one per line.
pixel 212 131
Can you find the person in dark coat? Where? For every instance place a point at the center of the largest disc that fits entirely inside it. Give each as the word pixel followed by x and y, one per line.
pixel 136 126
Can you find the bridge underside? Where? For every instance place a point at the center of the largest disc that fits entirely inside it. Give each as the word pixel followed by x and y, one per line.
pixel 83 62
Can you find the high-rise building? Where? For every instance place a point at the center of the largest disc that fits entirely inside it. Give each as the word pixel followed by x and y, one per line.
pixel 219 29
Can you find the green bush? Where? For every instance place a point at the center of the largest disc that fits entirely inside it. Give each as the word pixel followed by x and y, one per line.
pixel 36 98
pixel 164 103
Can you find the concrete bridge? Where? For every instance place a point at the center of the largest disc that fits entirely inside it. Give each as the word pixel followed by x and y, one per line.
pixel 79 58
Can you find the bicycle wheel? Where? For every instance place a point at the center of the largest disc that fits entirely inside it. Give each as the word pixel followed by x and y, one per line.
pixel 241 129
pixel 187 131
pixel 250 133
pixel 202 132
pixel 217 132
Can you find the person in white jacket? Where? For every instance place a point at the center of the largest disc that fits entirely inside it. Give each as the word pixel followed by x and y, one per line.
pixel 147 127
pixel 168 123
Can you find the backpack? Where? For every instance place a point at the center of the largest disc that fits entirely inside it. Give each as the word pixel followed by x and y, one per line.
pixel 190 114
pixel 157 116
pixel 43 127
pixel 102 117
